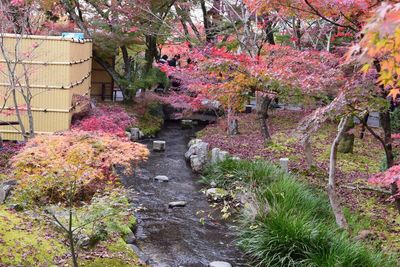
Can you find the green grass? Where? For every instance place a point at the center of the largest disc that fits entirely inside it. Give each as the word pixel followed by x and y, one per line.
pixel 297 228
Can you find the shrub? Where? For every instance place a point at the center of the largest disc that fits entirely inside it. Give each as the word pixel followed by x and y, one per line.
pixel 49 164
pixel 105 119
pixel 6 153
pixel 107 215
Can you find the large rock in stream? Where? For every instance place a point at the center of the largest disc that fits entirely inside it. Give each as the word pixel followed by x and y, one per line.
pixel 197 154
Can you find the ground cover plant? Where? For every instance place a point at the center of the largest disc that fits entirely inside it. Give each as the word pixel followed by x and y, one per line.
pixel 287 223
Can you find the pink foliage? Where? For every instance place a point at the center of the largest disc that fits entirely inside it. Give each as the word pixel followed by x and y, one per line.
pixel 6 152
pixel 105 119
pixel 309 70
pixel 17 2
pixel 388 177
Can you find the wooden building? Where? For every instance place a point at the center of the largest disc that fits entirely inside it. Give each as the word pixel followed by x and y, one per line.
pixel 59 69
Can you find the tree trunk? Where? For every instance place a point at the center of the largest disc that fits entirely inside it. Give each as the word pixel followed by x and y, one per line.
pixel 297 32
pixel 18 114
pixel 151 51
pixel 346 144
pixel 262 106
pixel 395 190
pixel 184 17
pixel 270 34
pixel 206 22
pixel 364 122
pixel 308 152
pixel 233 127
pixel 387 131
pixel 71 239
pixel 333 198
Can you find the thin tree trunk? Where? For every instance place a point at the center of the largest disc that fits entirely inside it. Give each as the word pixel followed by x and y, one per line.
pixel 387 131
pixel 18 114
pixel 308 152
pixel 233 125
pixel 151 51
pixel 270 34
pixel 333 198
pixel 206 22
pixel 71 240
pixel 262 105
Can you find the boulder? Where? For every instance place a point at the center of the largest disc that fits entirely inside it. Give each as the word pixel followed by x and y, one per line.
pixel 215 155
pixel 223 155
pixel 161 178
pixel 194 141
pixel 196 163
pixel 128 134
pixel 191 151
pixel 197 154
pixel 158 145
pixel 200 149
pixel 219 264
pixel 5 189
pixel 130 238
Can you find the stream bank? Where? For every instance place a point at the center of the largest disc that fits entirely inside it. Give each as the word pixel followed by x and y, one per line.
pixel 193 235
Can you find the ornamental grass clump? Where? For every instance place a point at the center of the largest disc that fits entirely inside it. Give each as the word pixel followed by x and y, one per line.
pixel 47 165
pixel 293 225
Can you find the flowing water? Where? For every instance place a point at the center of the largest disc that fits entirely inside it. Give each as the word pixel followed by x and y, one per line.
pixel 193 235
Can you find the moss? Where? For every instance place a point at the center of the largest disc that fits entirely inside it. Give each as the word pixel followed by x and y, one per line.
pixel 23 242
pixel 362 160
pixel 119 255
pixel 150 124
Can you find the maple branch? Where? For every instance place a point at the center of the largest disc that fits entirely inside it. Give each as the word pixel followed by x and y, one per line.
pixel 327 19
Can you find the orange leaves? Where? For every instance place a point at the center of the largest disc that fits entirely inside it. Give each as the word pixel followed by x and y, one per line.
pixel 380 45
pixel 394 93
pixel 48 164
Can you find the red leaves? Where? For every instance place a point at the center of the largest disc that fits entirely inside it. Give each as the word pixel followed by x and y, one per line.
pixel 388 177
pixel 106 119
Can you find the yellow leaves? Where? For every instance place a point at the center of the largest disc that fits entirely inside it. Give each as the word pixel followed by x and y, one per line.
pixel 366 68
pixel 394 93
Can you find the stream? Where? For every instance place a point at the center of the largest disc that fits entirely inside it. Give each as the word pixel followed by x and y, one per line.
pixel 194 235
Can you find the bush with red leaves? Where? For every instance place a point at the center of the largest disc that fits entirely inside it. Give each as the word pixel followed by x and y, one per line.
pixel 105 119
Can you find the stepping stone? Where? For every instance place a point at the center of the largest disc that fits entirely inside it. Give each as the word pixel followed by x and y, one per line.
pixel 161 178
pixel 220 264
pixel 158 145
pixel 135 134
pixel 177 204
